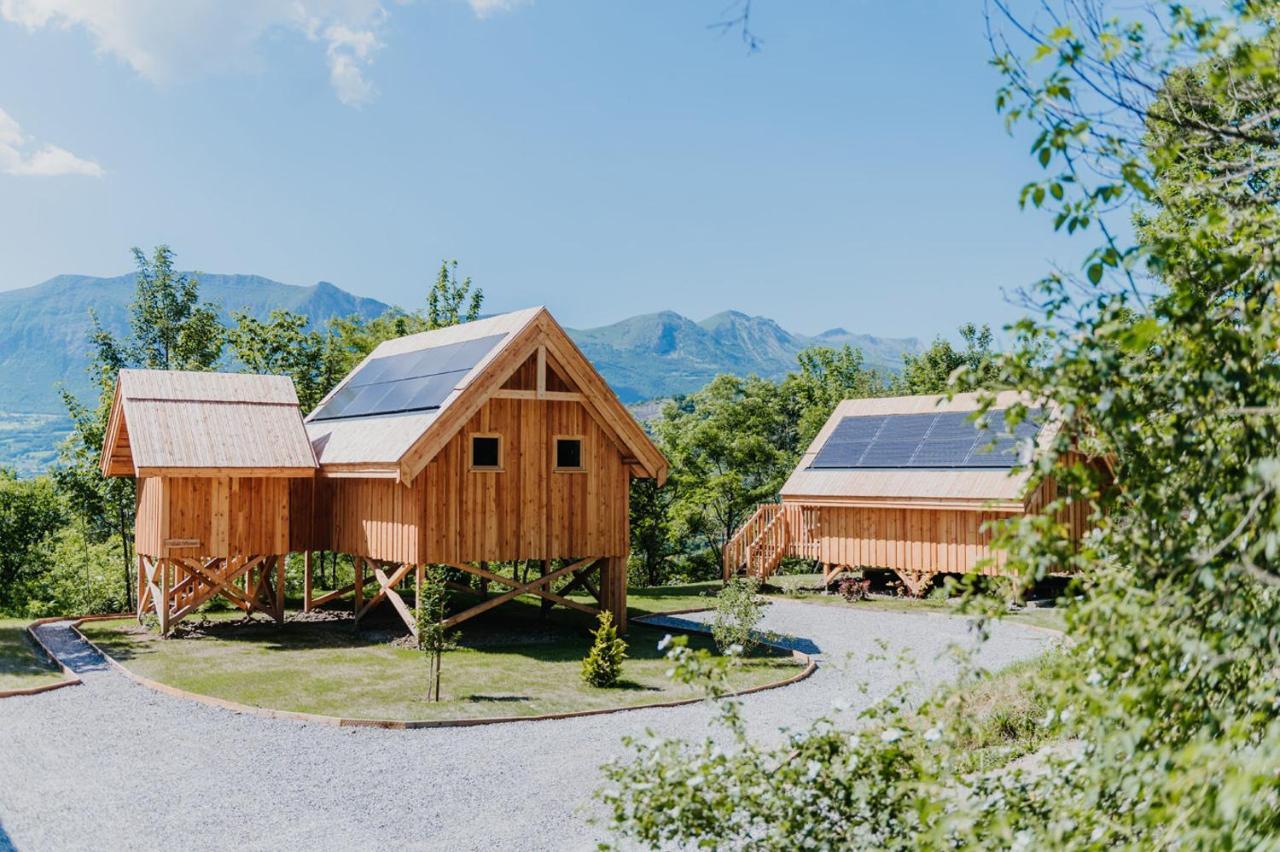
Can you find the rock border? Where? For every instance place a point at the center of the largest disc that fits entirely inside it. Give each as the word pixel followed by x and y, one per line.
pixel 810 665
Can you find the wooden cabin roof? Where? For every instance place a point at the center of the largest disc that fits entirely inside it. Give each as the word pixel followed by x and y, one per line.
pixel 401 444
pixel 178 423
pixel 967 488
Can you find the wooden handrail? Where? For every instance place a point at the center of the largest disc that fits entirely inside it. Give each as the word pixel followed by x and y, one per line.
pixel 773 531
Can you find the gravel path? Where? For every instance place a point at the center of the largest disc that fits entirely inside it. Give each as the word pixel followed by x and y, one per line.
pixel 113 765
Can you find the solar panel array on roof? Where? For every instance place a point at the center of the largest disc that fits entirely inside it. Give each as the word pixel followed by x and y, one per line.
pixel 948 439
pixel 411 381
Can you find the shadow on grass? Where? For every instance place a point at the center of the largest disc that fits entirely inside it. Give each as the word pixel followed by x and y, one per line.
pixel 519 627
pixel 502 699
pixel 632 686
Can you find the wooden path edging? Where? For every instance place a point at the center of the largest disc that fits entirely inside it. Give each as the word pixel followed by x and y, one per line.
pixel 69 678
pixel 810 665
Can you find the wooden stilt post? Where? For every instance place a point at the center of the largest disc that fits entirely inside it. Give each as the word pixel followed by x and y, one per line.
pixel 546 603
pixel 162 605
pixel 358 566
pixel 484 582
pixel 142 587
pixel 306 581
pixel 613 589
pixel 280 564
pixel 419 574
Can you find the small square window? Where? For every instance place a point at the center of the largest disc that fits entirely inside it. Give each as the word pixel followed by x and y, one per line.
pixel 569 453
pixel 486 452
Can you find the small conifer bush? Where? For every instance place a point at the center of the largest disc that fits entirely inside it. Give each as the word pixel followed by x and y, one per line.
pixel 603 664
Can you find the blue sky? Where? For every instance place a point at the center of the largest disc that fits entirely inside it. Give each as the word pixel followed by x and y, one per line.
pixel 603 158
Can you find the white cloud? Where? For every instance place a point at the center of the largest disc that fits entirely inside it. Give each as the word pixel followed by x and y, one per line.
pixel 21 155
pixel 485 8
pixel 167 40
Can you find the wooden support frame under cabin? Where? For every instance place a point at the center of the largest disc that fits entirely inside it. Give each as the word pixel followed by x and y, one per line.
pixel 609 589
pixel 173 587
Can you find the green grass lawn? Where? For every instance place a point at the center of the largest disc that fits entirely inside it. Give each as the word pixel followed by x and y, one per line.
pixel 22 664
pixel 511 662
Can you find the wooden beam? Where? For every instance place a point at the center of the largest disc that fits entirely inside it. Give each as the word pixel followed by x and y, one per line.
pixel 279 565
pixel 306 581
pixel 542 372
pixel 163 608
pixel 335 594
pixel 391 595
pixel 267 472
pixel 387 590
pixel 142 586
pixel 554 396
pixel 532 587
pixel 357 565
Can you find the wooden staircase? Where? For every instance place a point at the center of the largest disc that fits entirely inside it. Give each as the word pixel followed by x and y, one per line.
pixel 773 531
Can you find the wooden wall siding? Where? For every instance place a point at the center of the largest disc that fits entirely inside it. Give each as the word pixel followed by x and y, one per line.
pixel 120 454
pixel 309 515
pixel 556 380
pixel 377 518
pixel 228 516
pixel 527 510
pixel 526 376
pixel 148 532
pixel 911 540
pixel 451 513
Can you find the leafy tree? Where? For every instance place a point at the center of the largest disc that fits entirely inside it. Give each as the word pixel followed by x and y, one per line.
pixel 171 329
pixel 449 301
pixel 433 637
pixel 30 515
pixel 739 609
pixel 603 664
pixel 942 367
pixel 727 447
pixel 447 297
pixel 825 377
pixel 651 543
pixel 286 345
pixel 1162 358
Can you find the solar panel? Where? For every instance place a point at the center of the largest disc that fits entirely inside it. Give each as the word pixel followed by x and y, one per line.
pixel 411 381
pixel 948 439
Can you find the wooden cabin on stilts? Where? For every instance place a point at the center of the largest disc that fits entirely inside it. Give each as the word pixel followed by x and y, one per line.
pixel 908 484
pixel 214 455
pixel 491 441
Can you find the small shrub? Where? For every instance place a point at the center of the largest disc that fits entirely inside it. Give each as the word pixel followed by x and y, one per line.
pixel 739 609
pixel 603 664
pixel 854 588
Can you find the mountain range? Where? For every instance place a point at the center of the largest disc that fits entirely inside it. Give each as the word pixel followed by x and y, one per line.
pixel 44 346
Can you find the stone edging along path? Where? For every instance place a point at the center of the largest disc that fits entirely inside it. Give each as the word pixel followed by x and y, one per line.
pixel 810 665
pixel 69 678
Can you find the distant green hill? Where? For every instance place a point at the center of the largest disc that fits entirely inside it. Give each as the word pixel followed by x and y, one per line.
pixel 44 346
pixel 663 354
pixel 44 330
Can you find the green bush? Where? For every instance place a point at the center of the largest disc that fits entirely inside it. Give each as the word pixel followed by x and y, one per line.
pixel 739 609
pixel 603 664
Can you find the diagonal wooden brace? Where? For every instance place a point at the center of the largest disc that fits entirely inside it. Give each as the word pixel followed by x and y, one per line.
pixel 534 586
pixel 387 591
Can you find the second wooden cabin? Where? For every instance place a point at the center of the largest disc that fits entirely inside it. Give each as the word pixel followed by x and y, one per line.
pixel 908 484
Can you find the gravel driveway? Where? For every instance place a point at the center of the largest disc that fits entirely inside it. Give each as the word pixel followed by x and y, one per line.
pixel 113 765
